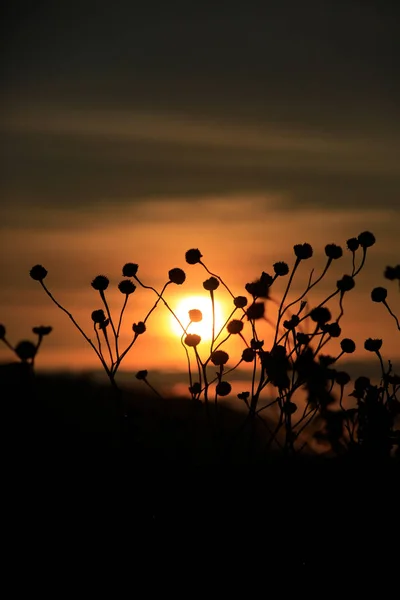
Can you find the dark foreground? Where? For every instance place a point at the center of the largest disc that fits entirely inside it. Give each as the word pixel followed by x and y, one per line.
pixel 157 513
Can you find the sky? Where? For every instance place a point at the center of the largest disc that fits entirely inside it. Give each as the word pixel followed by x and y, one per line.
pixel 133 133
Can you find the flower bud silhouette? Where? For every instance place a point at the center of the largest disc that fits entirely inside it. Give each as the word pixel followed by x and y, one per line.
pixel 240 301
pixel 130 269
pixel 366 239
pixel 25 350
pixel 38 273
pixel 281 268
pixel 193 256
pixel 2 332
pixel 260 287
pixel 392 273
pixel 177 276
pixel 219 357
pixel 320 315
pixel 333 329
pixel 235 326
pixel 126 287
pixel 139 328
pixel 342 378
pixel 195 315
pixel 303 251
pixel 211 284
pixel 223 388
pixel 379 294
pixel 373 345
pixel 347 345
pixel 142 375
pixel 292 322
pixel 98 316
pixel 42 330
pixel 346 283
pixel 100 283
pixel 302 338
pixel 353 244
pixel 289 408
pixel 195 388
pixel 248 355
pixel 333 251
pixel 192 340
pixel 256 311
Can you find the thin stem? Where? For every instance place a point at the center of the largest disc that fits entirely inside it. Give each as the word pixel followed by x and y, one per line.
pixel 89 341
pixel 392 313
pixel 217 277
pixel 103 297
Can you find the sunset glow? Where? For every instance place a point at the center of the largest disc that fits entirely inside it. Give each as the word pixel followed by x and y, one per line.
pixel 204 327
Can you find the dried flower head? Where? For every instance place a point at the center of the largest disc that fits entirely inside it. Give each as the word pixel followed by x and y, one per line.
pixel 333 329
pixel 366 239
pixel 362 382
pixel 302 338
pixel 130 269
pixel 177 276
pixel 256 311
pixel 379 294
pixel 195 388
pixel 100 283
pixel 281 269
pixel 260 287
pixel 193 256
pixel 347 345
pixel 126 287
pixel 42 330
pixel 333 251
pixel 195 315
pixel 223 388
pixel 219 357
pixel 240 301
pixel 345 284
pixel 38 273
pixel 142 375
pixel 289 408
pixel 211 284
pixel 192 340
pixel 25 350
pixel 303 251
pixel 292 322
pixel 373 345
pixel 248 355
pixel 353 244
pixel 256 344
pixel 139 328
pixel 2 332
pixel 98 316
pixel 342 378
pixel 235 326
pixel 320 315
pixel 392 273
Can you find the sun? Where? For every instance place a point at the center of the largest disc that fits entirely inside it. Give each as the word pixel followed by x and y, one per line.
pixel 203 328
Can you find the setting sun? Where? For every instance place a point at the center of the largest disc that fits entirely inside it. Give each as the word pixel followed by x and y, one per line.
pixel 204 327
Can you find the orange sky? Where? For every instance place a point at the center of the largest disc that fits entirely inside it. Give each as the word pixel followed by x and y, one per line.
pixel 238 238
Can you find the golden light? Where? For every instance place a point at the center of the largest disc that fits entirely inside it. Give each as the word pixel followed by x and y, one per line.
pixel 204 327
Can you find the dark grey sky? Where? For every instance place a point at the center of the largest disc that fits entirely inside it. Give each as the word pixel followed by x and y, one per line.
pixel 317 80
pixel 320 62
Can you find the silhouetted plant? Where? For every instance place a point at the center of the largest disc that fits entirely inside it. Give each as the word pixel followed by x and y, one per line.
pixel 293 385
pixel 106 328
pixel 26 350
